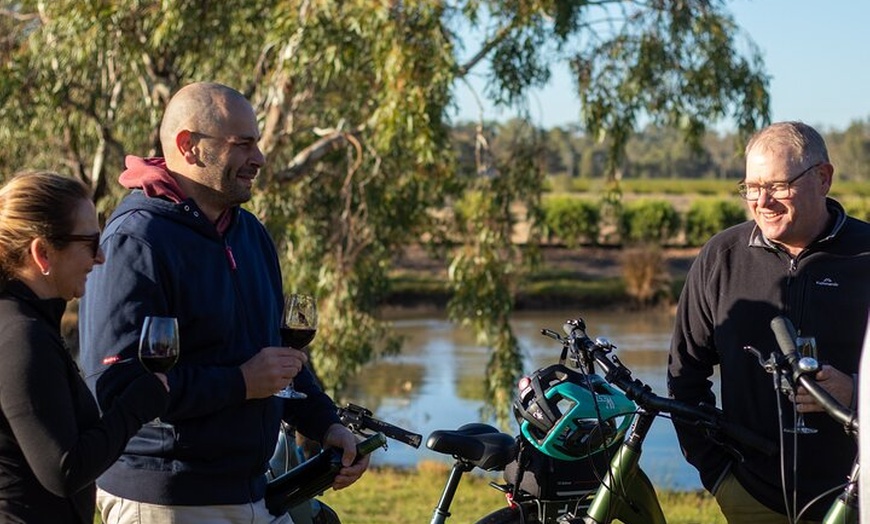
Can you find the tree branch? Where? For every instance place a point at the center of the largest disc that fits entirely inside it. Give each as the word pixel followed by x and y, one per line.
pixel 488 46
pixel 332 140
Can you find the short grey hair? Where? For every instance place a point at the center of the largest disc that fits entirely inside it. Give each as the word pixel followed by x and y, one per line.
pixel 805 145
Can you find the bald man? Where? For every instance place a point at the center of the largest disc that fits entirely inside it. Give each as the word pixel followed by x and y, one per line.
pixel 179 245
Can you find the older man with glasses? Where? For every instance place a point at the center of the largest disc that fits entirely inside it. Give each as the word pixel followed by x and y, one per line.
pixel 802 257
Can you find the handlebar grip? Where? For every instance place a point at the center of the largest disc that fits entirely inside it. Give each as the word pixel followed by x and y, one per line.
pixel 356 418
pixel 785 335
pixel 394 432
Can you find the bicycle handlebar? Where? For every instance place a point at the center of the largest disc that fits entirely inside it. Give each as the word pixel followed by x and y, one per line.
pixel 359 419
pixel 705 416
pixel 785 335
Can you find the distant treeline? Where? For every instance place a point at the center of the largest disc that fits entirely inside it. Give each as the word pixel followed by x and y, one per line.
pixel 654 153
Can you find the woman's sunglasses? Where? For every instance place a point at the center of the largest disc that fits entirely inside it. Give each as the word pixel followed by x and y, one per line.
pixel 94 240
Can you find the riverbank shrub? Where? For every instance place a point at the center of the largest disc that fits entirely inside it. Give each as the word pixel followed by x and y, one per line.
pixel 572 220
pixel 649 221
pixel 645 274
pixel 706 217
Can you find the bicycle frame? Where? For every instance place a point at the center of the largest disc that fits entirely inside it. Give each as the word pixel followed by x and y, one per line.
pixel 626 493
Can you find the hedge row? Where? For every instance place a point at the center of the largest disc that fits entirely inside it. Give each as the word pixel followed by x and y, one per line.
pixel 575 220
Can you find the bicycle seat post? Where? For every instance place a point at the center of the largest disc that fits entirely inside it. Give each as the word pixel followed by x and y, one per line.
pixel 442 510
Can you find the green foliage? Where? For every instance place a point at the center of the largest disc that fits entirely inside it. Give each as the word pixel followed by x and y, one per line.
pixel 858 207
pixel 649 221
pixel 484 270
pixel 850 188
pixel 353 98
pixel 707 217
pixel 674 186
pixel 640 71
pixel 573 220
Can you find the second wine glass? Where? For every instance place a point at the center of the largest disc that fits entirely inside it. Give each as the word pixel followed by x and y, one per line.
pixel 159 348
pixel 806 347
pixel 300 326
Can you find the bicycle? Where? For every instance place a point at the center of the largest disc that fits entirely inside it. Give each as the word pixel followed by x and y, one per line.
pixel 478 445
pixel 789 370
pixel 618 488
pixel 546 478
pixel 606 482
pixel 623 491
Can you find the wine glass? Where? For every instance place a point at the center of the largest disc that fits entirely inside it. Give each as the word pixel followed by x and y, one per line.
pixel 158 349
pixel 806 347
pixel 300 326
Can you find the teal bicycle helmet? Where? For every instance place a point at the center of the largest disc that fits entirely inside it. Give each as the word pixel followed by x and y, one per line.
pixel 557 413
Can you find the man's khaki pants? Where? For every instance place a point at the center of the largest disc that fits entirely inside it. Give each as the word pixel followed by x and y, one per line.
pixel 116 510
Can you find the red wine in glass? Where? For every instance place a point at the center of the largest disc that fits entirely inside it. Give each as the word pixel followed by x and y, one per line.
pixel 159 364
pixel 297 337
pixel 300 326
pixel 158 349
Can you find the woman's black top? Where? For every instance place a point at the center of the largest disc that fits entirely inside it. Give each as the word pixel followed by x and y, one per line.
pixel 53 442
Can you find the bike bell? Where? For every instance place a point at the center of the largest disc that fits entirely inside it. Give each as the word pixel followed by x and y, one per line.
pixel 569 415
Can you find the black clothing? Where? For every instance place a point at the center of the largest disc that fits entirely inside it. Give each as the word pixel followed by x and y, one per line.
pixel 738 283
pixel 166 258
pixel 53 443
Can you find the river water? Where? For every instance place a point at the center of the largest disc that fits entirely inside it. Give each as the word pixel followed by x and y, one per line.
pixel 437 380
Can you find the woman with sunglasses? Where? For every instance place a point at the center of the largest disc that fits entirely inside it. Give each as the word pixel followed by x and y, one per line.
pixel 53 440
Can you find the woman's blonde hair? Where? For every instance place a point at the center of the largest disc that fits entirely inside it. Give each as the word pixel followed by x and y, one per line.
pixel 32 205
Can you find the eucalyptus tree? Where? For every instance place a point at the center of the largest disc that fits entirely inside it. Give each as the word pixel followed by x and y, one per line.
pixel 353 98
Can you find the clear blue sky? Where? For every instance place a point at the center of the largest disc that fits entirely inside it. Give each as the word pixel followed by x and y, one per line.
pixel 816 53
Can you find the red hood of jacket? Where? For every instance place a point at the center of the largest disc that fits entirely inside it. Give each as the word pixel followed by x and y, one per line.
pixel 152 176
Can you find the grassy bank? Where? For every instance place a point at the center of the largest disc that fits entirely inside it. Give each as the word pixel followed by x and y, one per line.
pixel 581 277
pixel 387 495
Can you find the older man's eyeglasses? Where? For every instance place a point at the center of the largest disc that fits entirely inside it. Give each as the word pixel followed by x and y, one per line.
pixel 777 190
pixel 93 240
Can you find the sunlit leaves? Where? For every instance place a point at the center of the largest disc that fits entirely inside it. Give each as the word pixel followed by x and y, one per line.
pixel 366 85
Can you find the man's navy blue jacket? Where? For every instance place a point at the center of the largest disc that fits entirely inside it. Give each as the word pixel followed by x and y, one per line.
pixel 167 259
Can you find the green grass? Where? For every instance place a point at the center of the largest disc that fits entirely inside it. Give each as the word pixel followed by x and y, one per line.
pixel 387 495
pixel 683 186
pixel 394 496
pixel 541 290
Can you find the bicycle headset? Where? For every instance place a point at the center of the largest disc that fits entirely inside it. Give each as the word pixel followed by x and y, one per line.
pixel 569 415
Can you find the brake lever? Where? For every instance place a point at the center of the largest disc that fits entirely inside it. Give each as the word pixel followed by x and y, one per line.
pixel 783 379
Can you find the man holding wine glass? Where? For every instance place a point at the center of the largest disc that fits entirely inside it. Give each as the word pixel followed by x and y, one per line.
pixel 180 246
pixel 800 256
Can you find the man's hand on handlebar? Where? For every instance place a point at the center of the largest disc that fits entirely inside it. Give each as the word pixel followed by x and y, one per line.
pixel 838 384
pixel 338 436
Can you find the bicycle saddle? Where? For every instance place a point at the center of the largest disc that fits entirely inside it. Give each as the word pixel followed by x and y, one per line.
pixel 480 445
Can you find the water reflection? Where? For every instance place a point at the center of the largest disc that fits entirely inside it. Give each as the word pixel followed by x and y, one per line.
pixel 437 380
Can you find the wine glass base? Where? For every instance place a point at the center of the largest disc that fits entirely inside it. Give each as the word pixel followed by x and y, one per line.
pixel 802 430
pixel 291 394
pixel 157 423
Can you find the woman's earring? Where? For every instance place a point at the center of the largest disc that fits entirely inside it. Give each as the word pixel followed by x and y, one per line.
pixel 46 272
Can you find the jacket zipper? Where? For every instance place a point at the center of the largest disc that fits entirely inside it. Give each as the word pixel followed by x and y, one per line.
pixel 230 258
